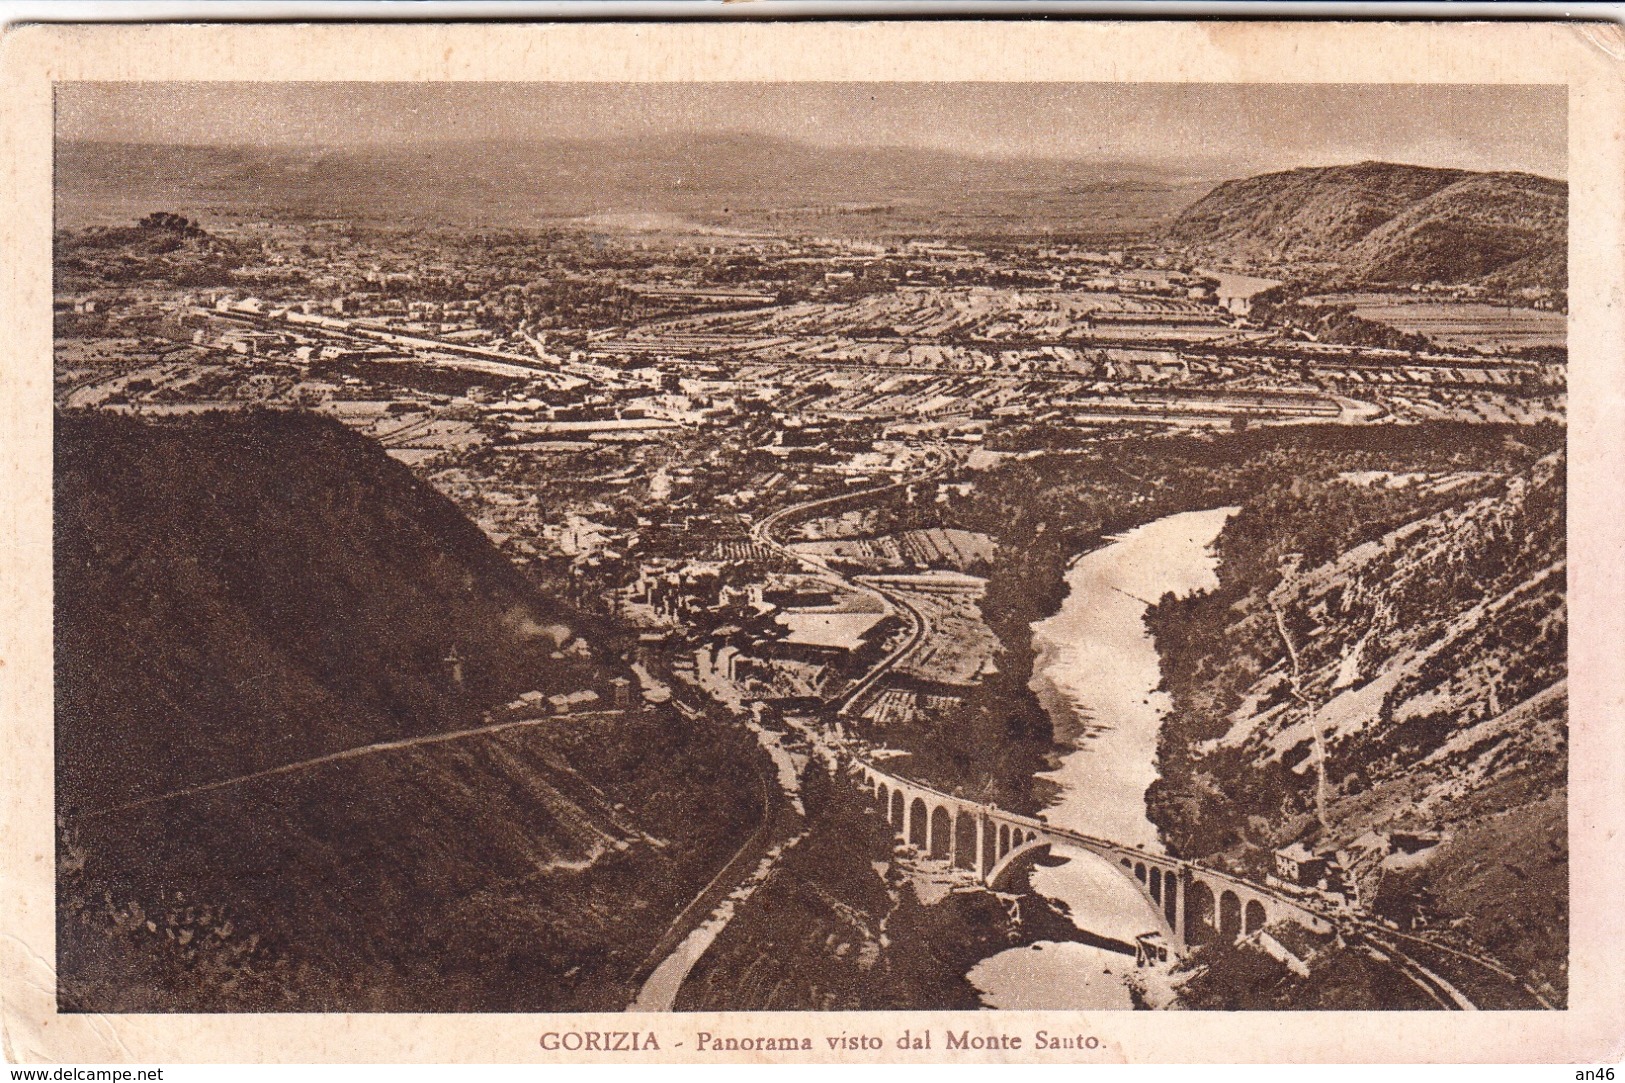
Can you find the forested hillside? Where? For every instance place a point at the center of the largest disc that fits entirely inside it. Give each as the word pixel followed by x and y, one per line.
pixel 241 594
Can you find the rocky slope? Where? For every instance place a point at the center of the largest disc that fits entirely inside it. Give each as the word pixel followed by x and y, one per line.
pixel 1379 223
pixel 1382 675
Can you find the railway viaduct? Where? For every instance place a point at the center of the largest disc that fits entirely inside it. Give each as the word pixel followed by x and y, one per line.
pixel 1188 903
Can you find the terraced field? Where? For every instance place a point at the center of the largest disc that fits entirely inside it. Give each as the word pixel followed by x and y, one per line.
pixel 1469 324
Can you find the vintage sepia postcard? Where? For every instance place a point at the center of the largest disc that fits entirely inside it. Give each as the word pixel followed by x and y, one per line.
pixel 812 542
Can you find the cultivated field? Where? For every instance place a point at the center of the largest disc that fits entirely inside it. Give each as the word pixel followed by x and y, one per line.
pixel 1472 324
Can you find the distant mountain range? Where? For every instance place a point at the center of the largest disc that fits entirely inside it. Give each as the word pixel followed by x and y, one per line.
pixel 1371 223
pixel 738 181
pixel 1382 223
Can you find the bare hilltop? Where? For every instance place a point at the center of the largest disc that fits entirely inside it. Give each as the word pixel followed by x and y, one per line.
pixel 1381 223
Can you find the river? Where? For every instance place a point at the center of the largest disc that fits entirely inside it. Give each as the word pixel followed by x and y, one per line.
pixel 1096 672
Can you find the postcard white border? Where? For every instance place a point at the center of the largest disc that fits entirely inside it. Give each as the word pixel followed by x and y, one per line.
pixel 1588 58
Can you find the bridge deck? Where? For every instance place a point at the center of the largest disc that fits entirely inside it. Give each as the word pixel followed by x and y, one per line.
pixel 1090 842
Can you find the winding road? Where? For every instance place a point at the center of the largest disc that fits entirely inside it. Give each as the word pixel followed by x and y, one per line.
pixel 344 754
pixel 691 932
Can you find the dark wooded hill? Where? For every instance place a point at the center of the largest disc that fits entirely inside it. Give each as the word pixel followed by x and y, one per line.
pixel 160 247
pixel 240 592
pixel 1380 223
pixel 237 592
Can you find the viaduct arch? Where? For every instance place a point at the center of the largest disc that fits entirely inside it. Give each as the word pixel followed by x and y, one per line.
pixel 1187 903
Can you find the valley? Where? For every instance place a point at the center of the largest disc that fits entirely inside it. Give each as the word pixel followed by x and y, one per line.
pixel 545 608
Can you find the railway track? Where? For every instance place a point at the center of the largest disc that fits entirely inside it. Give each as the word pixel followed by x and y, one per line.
pixel 919 627
pixel 1493 986
pixel 1437 989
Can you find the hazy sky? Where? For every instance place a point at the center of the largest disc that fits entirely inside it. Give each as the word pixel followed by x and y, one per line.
pixel 1230 126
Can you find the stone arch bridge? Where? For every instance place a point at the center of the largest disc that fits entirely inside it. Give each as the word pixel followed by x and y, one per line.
pixel 1187 903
